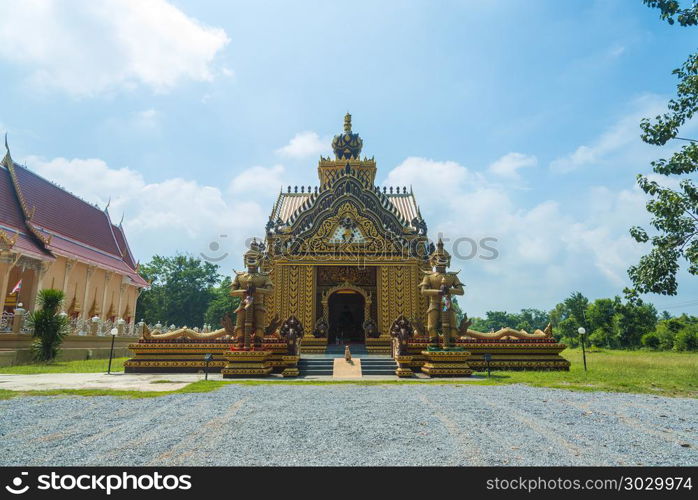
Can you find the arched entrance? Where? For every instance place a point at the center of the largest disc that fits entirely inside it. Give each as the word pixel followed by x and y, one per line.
pixel 346 317
pixel 345 307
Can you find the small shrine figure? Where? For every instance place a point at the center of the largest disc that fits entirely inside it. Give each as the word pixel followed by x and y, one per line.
pixel 321 329
pixel 251 286
pixel 402 332
pixel 438 285
pixel 292 331
pixel 347 353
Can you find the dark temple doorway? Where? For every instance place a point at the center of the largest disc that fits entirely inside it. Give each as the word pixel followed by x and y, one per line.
pixel 346 315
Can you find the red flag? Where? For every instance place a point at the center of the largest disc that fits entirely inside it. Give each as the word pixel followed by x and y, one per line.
pixel 17 287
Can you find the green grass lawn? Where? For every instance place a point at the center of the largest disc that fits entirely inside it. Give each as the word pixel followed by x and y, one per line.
pixel 83 366
pixel 661 373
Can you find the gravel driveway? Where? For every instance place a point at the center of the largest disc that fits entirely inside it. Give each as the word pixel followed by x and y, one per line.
pixel 353 425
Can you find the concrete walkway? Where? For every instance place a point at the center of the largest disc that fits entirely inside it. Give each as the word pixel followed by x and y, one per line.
pixel 117 381
pixel 157 381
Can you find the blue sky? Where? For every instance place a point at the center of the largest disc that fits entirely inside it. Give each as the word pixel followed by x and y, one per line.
pixel 516 120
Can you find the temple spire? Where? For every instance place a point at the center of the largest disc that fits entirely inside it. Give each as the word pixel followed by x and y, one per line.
pixel 347 145
pixel 8 157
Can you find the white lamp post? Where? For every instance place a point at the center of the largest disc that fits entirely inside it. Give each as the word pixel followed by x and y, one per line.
pixel 113 332
pixel 581 331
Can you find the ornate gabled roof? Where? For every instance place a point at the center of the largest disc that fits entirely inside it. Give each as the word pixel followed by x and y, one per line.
pixel 50 221
pixel 123 245
pixel 13 223
pixel 347 209
pixel 288 204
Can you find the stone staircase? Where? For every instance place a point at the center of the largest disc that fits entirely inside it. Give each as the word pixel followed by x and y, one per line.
pixel 322 364
pixel 378 365
pixel 315 366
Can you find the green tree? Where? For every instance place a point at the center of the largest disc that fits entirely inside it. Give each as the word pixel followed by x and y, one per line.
pixel 478 324
pixel 674 211
pixel 673 333
pixel 633 319
pixel 532 319
pixel 567 317
pixel 494 320
pixel 576 305
pixel 687 339
pixel 600 318
pixel 221 304
pixel 180 291
pixel 49 325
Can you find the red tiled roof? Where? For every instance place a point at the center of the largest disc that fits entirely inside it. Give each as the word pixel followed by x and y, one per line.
pixel 123 245
pixel 12 219
pixel 61 212
pixel 76 228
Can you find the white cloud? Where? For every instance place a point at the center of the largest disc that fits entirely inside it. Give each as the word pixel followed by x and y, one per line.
pixel 544 251
pixel 305 144
pixel 623 137
pixel 258 179
pixel 508 165
pixel 433 181
pixel 86 48
pixel 172 215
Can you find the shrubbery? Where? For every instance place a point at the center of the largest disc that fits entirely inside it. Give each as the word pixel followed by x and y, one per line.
pixel 678 334
pixel 49 325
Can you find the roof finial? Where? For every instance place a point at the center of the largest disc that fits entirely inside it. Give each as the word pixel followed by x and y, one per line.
pixel 347 122
pixel 122 218
pixel 7 160
pixel 108 203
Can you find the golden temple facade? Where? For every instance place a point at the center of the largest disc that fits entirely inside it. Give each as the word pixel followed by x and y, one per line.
pixel 346 262
pixel 347 255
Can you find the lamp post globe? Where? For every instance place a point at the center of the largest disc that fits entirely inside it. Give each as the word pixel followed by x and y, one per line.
pixel 581 330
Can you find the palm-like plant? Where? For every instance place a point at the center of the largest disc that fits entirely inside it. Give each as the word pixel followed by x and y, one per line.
pixel 49 325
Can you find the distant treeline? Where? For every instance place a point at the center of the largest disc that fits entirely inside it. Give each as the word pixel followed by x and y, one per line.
pixel 627 323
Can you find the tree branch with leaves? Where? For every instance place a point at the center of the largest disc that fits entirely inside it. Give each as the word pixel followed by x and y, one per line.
pixel 674 211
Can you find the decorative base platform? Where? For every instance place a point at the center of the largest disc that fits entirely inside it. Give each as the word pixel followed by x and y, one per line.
pixel 187 355
pixel 174 356
pixel 446 364
pixel 312 345
pixel 538 355
pixel 380 345
pixel 404 366
pixel 534 354
pixel 291 364
pixel 247 364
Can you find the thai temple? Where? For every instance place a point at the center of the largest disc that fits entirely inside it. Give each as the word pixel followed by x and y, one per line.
pixel 50 238
pixel 345 263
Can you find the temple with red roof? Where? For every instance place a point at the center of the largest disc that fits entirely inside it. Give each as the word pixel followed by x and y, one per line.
pixel 50 238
